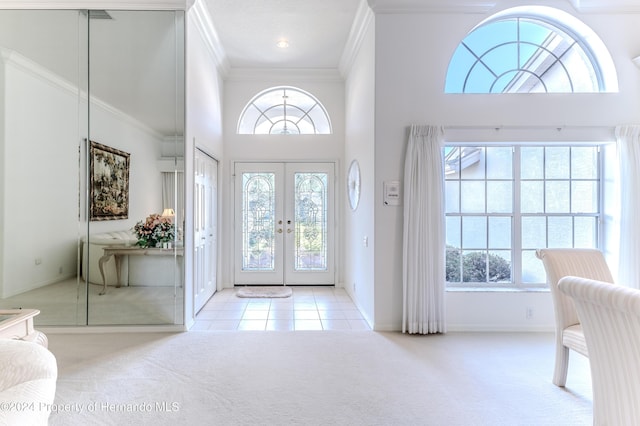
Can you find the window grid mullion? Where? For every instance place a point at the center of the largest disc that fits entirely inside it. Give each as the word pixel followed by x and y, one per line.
pixel 516 232
pixel 486 217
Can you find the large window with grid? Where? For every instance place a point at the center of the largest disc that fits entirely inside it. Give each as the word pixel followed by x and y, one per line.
pixel 504 202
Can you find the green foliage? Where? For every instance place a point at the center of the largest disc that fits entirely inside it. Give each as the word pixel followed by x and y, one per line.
pixel 474 266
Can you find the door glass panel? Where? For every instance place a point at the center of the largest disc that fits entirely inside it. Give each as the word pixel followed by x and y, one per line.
pixel 258 221
pixel 310 221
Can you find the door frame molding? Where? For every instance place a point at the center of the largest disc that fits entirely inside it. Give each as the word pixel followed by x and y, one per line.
pixel 198 149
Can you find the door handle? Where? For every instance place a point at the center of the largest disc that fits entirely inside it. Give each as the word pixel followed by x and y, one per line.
pixel 289 231
pixel 280 231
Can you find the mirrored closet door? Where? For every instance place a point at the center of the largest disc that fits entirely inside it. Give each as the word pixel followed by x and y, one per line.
pixel 92 189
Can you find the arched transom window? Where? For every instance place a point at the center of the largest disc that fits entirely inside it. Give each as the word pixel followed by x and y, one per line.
pixel 284 110
pixel 531 49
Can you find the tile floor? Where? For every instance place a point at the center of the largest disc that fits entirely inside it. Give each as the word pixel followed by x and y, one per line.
pixel 309 308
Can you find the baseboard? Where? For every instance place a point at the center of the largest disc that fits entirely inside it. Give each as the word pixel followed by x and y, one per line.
pixel 99 329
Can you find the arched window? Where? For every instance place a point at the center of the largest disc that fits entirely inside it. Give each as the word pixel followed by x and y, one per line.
pixel 531 49
pixel 284 110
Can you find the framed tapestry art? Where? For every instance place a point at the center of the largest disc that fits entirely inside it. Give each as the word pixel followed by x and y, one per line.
pixel 109 169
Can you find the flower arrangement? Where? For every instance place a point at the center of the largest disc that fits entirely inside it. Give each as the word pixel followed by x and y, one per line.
pixel 154 231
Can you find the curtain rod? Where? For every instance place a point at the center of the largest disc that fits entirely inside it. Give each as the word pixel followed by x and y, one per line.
pixel 499 127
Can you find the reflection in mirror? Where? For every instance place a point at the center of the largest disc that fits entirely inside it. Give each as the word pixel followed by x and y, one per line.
pixel 52 242
pixel 43 72
pixel 132 255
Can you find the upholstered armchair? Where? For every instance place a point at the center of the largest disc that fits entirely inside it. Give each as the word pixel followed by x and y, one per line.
pixel 610 316
pixel 28 374
pixel 558 263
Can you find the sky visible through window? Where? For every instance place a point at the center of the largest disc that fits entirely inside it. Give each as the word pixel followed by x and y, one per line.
pixel 521 55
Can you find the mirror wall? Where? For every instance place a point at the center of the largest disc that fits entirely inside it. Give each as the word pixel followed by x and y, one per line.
pixel 92 119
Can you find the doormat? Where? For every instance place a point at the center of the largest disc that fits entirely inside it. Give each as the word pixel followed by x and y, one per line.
pixel 264 292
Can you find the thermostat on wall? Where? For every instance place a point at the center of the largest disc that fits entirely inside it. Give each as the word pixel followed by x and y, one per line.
pixel 392 193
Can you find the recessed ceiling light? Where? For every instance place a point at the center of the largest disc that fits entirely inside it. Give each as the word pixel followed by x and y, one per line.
pixel 282 44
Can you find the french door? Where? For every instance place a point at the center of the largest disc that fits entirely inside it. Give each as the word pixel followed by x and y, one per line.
pixel 284 223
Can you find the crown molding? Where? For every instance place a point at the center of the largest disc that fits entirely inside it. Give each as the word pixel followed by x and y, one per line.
pixel 204 25
pixel 430 6
pixel 98 4
pixel 609 6
pixel 362 21
pixel 14 59
pixel 285 74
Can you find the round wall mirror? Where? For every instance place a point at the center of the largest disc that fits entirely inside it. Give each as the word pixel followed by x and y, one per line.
pixel 353 184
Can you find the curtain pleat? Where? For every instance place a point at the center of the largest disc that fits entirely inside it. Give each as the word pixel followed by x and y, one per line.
pixel 173 193
pixel 423 234
pixel 628 140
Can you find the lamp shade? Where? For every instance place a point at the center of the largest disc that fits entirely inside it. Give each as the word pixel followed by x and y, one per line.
pixel 168 213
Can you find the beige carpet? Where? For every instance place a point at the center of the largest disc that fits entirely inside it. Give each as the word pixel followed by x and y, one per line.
pixel 264 292
pixel 65 303
pixel 315 378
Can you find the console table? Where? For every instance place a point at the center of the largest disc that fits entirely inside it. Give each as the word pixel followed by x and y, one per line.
pixel 18 324
pixel 118 251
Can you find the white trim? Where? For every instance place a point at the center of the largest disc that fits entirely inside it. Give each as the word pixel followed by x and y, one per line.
pixel 285 75
pixel 100 329
pixel 98 4
pixel 124 117
pixel 619 6
pixel 26 65
pixel 484 6
pixel 530 133
pixel 362 21
pixel 22 63
pixel 204 25
pixel 421 6
pixel 500 328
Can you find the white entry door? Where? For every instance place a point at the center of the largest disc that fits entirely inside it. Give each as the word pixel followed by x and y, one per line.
pixel 205 228
pixel 284 223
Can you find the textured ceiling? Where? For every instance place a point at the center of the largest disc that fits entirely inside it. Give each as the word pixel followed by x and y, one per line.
pixel 317 31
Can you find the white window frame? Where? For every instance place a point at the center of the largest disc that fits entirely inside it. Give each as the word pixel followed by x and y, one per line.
pixel 516 215
pixel 284 110
pixel 564 26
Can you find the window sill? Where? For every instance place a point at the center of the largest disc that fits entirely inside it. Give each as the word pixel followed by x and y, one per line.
pixel 497 290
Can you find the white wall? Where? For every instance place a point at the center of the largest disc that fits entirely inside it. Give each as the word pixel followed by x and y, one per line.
pixel 40 165
pixel 43 185
pixel 203 130
pixel 360 145
pixel 412 55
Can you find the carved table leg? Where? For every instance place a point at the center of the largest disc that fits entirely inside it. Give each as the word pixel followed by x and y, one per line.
pixel 101 262
pixel 118 260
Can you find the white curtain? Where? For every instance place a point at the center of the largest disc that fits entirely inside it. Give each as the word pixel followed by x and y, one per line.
pixel 423 279
pixel 628 139
pixel 173 193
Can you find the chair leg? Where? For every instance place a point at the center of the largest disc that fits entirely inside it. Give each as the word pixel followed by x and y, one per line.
pixel 562 365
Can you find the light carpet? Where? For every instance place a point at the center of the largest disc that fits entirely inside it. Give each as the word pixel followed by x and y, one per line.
pixel 264 292
pixel 315 378
pixel 65 303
